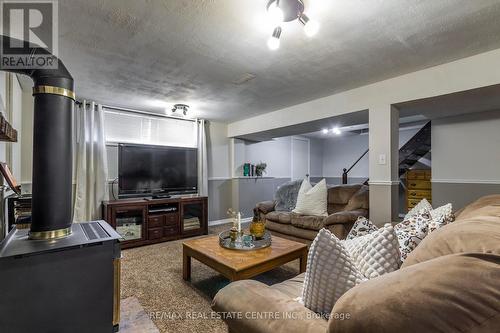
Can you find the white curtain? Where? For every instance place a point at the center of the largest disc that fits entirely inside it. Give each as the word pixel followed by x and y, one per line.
pixel 202 159
pixel 91 163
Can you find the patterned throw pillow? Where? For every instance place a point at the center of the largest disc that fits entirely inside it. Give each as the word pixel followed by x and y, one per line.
pixel 335 266
pixel 411 231
pixel 361 227
pixel 441 216
pixel 423 204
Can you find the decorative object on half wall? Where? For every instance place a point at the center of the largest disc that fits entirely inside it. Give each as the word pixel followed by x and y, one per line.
pixel 260 169
pixel 246 170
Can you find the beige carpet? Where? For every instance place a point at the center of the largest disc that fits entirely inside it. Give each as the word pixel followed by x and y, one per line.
pixel 153 274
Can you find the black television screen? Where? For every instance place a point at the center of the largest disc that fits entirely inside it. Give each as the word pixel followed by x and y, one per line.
pixel 144 170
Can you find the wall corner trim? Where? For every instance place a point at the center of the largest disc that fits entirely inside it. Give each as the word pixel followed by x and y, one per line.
pixel 383 182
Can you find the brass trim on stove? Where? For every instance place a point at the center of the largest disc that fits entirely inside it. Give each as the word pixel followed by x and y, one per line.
pixel 52 234
pixel 55 91
pixel 116 290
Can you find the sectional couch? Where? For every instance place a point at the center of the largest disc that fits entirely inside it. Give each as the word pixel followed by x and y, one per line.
pixel 449 283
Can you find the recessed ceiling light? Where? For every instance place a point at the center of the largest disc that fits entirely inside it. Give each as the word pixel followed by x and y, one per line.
pixel 324 131
pixel 336 131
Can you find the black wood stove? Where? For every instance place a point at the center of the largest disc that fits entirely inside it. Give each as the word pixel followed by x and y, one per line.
pixel 58 277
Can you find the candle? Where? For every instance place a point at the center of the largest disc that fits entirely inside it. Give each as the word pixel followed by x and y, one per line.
pixel 239 222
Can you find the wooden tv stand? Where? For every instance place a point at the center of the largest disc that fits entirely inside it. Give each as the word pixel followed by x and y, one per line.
pixel 147 221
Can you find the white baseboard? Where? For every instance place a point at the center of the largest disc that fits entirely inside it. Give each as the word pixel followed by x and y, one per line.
pixel 224 221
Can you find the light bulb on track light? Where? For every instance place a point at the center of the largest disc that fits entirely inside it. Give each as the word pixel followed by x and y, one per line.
pixel 311 27
pixel 274 41
pixel 276 15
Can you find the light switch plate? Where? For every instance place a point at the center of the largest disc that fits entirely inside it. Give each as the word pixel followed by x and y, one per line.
pixel 382 159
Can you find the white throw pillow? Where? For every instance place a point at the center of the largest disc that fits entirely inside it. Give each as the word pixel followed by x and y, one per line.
pixel 335 266
pixel 312 200
pixel 330 272
pixel 376 253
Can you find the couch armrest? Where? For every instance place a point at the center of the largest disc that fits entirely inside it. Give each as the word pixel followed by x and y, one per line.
pixel 265 206
pixel 345 217
pixel 457 292
pixel 262 309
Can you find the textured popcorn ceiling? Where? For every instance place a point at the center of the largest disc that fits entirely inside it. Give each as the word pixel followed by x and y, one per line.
pixel 140 54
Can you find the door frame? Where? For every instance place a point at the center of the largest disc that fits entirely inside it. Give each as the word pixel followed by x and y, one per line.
pixel 300 138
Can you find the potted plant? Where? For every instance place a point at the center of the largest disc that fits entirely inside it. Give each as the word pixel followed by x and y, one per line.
pixel 260 169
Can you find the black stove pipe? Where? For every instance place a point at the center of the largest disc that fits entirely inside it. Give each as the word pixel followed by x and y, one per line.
pixel 54 99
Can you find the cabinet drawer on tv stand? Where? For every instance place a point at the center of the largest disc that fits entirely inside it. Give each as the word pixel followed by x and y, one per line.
pixel 155 233
pixel 170 231
pixel 156 221
pixel 171 220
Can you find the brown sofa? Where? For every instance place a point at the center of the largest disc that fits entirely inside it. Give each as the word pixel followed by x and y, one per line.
pixel 345 204
pixel 449 283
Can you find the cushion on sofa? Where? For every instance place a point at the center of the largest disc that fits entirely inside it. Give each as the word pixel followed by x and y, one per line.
pixel 360 199
pixel 279 217
pixel 265 206
pixel 286 196
pixel 423 204
pixel 334 266
pixel 292 287
pixel 288 229
pixel 454 293
pixel 311 200
pixel 311 222
pixel 251 298
pixel 331 271
pixel 339 196
pixel 485 206
pixel 361 227
pixel 412 231
pixel 377 253
pixel 477 235
pixel 345 217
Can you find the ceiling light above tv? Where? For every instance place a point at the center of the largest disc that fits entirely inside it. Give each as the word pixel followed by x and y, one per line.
pixel 180 109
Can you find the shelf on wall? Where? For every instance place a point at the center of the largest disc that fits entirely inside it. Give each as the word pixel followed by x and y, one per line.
pixel 7 132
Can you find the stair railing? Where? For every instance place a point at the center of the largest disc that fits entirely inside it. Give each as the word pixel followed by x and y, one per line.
pixel 346 171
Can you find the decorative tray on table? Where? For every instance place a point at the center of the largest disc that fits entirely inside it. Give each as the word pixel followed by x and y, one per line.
pixel 244 243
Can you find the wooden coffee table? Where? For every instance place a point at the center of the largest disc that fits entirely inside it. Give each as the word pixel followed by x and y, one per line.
pixel 239 265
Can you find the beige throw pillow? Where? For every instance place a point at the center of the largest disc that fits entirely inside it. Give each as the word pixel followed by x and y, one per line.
pixel 312 200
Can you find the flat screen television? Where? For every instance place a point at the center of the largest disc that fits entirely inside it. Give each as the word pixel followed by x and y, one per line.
pixel 145 170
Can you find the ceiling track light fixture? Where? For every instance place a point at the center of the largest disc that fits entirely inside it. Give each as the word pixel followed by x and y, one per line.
pixel 286 11
pixel 180 108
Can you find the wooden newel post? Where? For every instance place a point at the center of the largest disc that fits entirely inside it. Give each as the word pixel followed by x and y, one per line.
pixel 344 176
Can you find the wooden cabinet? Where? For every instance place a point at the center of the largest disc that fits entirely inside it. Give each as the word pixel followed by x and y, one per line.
pixel 148 221
pixel 418 187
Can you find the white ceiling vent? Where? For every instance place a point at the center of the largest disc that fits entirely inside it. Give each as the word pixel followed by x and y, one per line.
pixel 245 78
